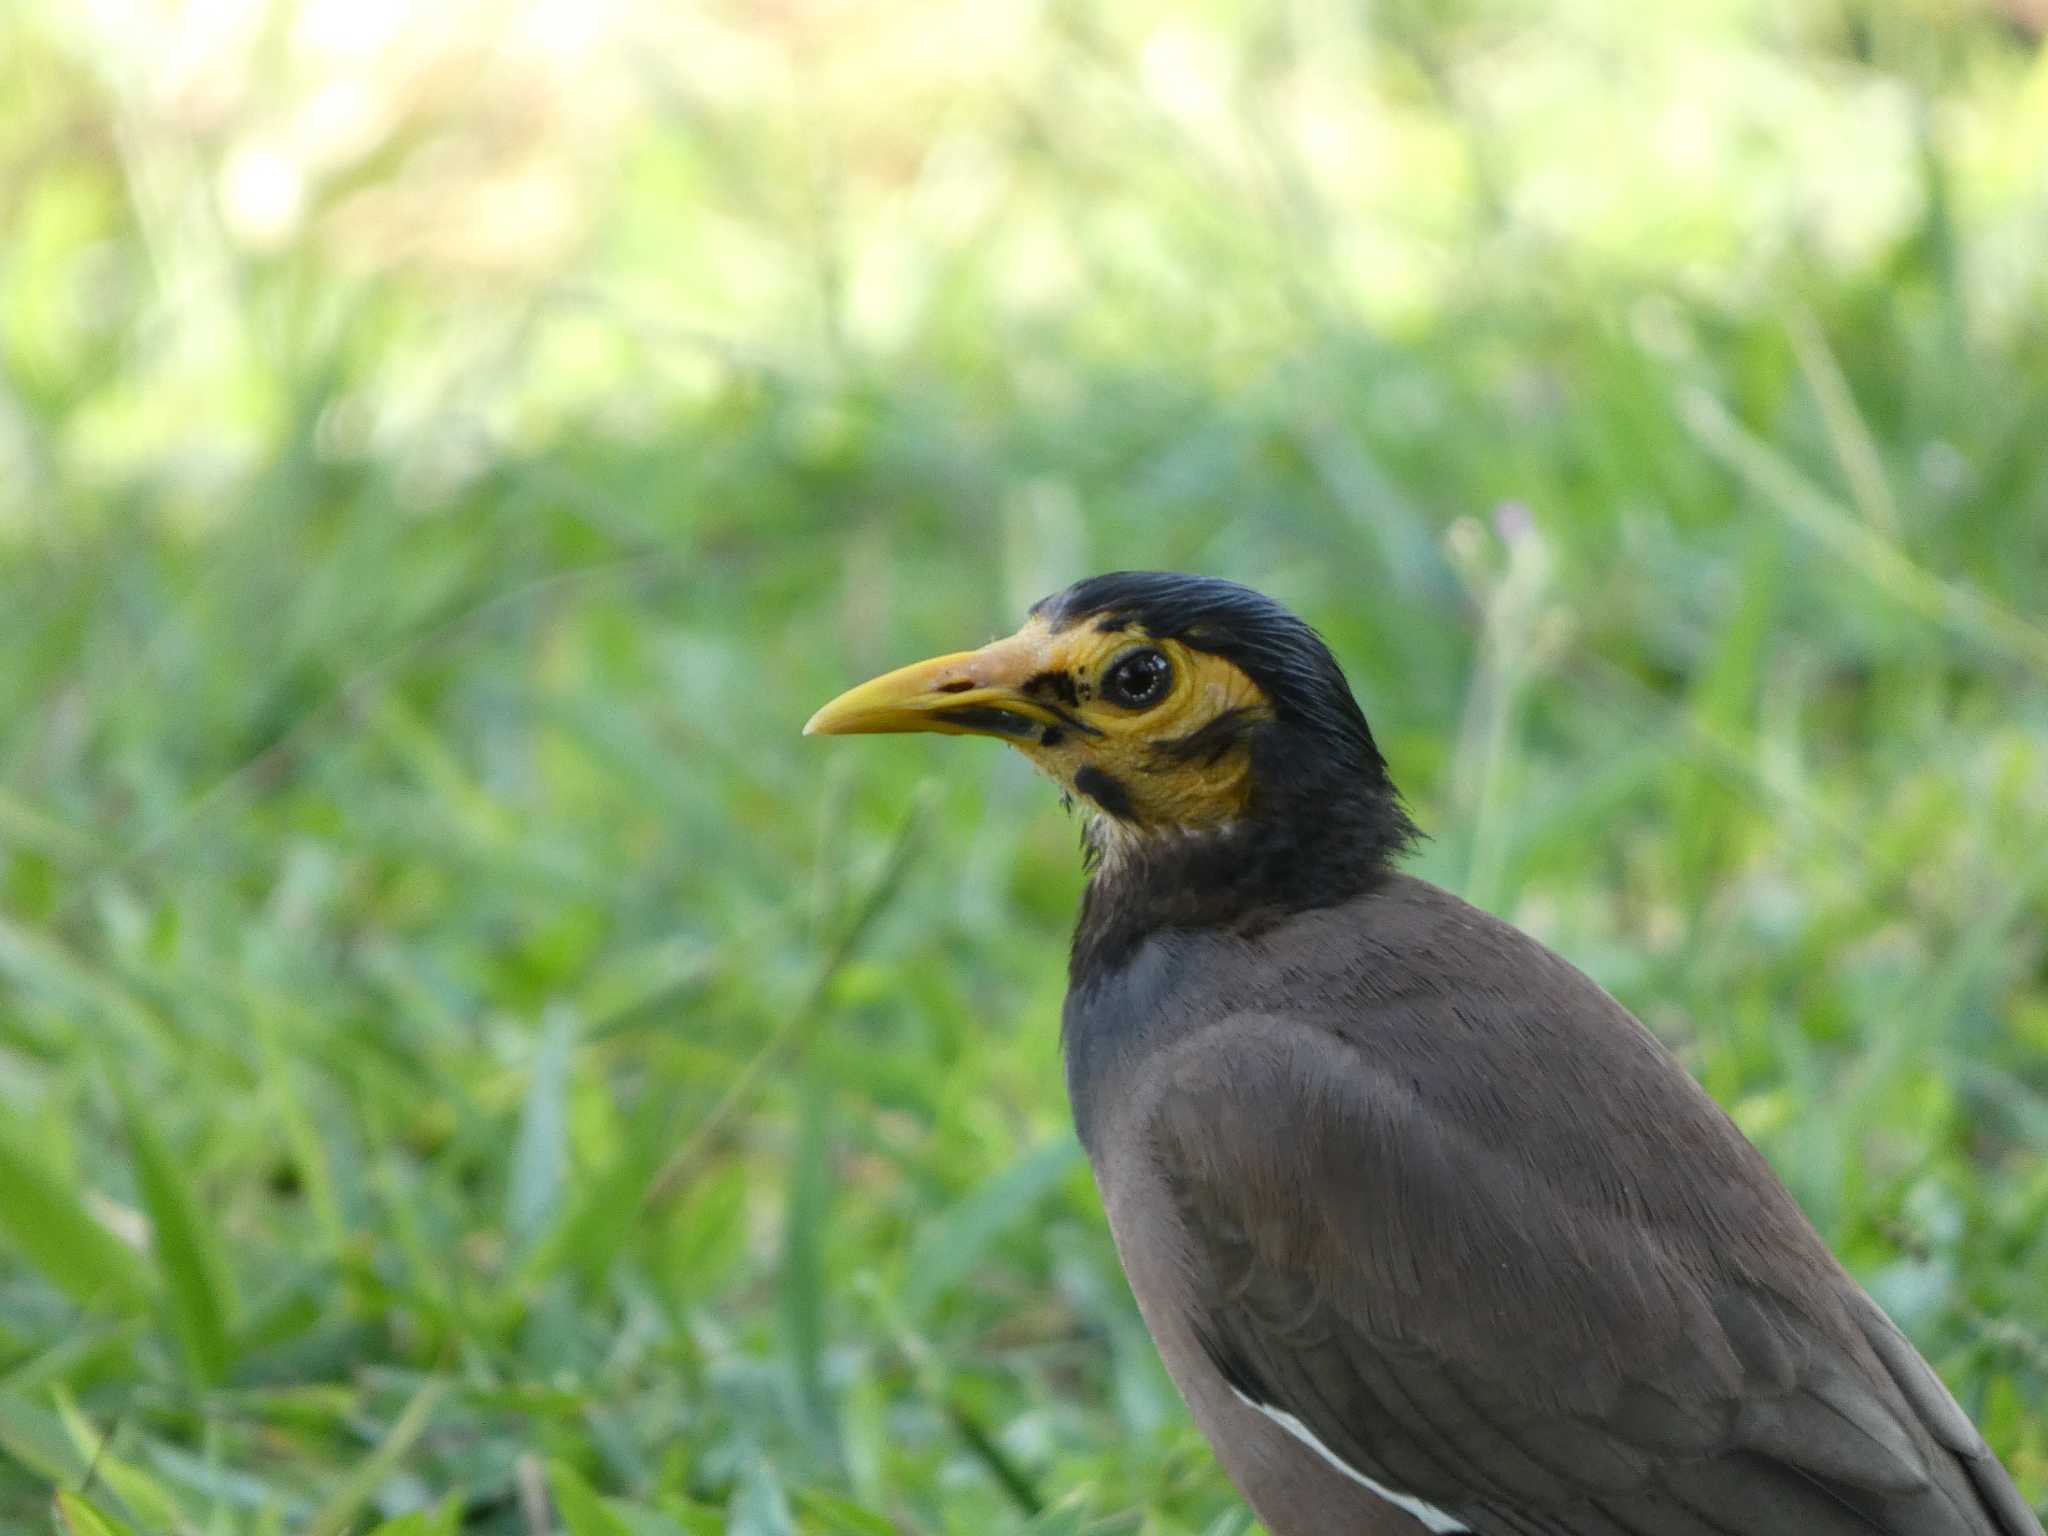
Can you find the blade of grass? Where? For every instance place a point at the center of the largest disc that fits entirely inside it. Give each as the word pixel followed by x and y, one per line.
pixel 603 1212
pixel 444 1519
pixel 965 1420
pixel 23 823
pixel 803 1282
pixel 759 1506
pixel 1963 610
pixel 36 1438
pixel 841 1516
pixel 142 1495
pixel 1013 1479
pixel 1850 435
pixel 47 1222
pixel 79 1517
pixel 188 1250
pixel 540 1155
pixel 39 961
pixel 340 1511
pixel 354 695
pixel 1922 1021
pixel 950 1246
pixel 203 1474
pixel 430 1284
pixel 804 1020
pixel 308 1148
pixel 78 1347
pixel 583 1512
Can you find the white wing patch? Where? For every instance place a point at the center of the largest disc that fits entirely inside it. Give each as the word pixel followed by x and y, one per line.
pixel 1428 1514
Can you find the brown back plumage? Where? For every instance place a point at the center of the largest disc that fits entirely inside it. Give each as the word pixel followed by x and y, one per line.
pixel 1441 1200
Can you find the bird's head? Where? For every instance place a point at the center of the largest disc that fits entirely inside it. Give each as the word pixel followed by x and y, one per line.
pixel 1195 719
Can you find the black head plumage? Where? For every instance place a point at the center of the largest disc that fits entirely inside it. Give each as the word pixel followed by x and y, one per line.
pixel 1270 645
pixel 1325 819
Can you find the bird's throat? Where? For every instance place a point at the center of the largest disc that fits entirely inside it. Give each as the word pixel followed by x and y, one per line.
pixel 1240 876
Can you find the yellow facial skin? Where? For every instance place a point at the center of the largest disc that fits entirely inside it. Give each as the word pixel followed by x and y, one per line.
pixel 1175 763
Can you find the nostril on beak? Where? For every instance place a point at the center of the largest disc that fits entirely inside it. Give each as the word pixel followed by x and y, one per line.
pixel 961 685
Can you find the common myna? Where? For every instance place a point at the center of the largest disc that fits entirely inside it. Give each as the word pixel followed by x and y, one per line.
pixel 1431 1232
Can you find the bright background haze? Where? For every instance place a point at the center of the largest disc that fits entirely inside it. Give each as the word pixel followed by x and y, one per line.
pixel 466 1063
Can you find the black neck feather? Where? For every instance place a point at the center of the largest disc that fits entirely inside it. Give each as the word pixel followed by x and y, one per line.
pixel 1318 831
pixel 1324 821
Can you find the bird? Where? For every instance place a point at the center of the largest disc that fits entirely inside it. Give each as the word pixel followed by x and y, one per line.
pixel 1431 1233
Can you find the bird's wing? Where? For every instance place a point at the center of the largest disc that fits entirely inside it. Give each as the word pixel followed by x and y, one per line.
pixel 1527 1342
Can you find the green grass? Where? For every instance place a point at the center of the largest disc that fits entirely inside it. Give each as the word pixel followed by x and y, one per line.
pixel 461 1052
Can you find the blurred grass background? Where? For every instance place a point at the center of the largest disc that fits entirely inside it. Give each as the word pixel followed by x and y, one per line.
pixel 466 1064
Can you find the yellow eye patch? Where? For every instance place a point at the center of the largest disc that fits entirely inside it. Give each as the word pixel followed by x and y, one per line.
pixel 1153 733
pixel 1160 731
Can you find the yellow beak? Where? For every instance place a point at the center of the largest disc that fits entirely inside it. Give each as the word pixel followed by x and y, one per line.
pixel 970 693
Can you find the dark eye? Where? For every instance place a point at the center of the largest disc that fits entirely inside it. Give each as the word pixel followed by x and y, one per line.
pixel 1137 679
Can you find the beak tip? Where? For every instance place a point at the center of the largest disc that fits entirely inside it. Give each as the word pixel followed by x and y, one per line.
pixel 834 719
pixel 925 696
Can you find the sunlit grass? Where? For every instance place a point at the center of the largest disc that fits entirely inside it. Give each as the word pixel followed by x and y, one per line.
pixel 461 1052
